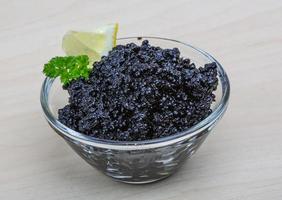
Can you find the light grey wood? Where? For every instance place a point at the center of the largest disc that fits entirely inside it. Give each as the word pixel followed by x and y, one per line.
pixel 242 159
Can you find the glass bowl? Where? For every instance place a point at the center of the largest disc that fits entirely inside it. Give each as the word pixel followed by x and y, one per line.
pixel 142 161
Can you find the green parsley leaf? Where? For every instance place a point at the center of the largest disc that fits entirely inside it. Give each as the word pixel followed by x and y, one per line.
pixel 68 68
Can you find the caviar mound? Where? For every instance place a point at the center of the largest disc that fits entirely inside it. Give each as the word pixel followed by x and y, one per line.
pixel 140 93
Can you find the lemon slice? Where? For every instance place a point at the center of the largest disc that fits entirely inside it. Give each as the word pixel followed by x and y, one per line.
pixel 94 44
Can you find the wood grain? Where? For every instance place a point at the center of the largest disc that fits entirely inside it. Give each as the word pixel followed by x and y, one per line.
pixel 242 159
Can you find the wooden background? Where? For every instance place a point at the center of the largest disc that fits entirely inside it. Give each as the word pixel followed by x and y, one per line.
pixel 242 159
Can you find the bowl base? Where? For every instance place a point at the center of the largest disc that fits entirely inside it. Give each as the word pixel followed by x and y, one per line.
pixel 141 182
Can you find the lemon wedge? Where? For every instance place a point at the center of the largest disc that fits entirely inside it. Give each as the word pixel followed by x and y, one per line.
pixel 94 44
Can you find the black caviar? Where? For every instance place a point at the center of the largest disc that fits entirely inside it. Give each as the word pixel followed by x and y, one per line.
pixel 140 93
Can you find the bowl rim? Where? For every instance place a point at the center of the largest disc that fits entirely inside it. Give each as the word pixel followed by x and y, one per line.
pixel 216 114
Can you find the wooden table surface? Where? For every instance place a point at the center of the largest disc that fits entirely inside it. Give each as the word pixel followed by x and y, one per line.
pixel 241 160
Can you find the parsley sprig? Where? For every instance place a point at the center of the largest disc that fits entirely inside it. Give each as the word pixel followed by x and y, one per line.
pixel 68 68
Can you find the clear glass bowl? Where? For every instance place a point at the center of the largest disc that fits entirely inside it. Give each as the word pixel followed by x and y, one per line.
pixel 141 161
